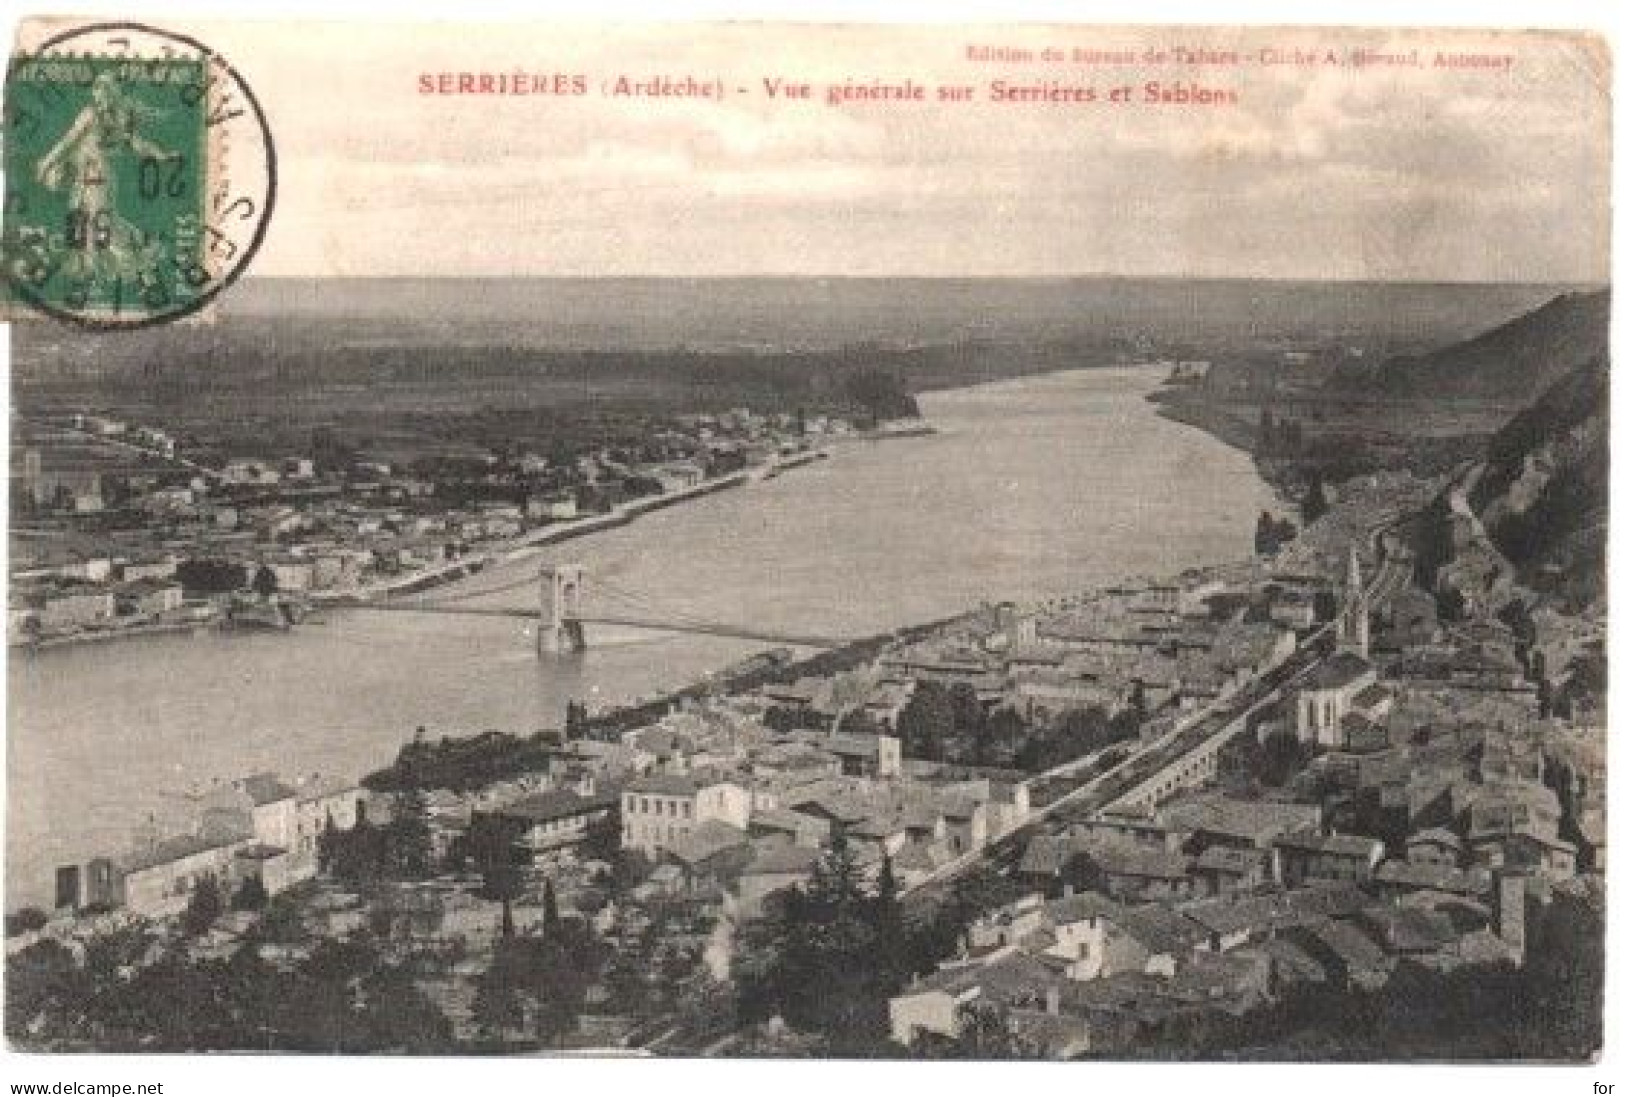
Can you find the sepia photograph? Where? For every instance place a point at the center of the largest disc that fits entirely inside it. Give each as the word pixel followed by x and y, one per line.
pixel 751 540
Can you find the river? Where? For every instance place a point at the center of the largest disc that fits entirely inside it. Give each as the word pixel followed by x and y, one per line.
pixel 1032 488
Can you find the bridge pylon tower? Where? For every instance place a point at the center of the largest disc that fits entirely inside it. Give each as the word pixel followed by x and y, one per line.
pixel 558 627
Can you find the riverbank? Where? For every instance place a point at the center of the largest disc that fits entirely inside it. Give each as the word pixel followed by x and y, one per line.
pixel 519 548
pixel 622 515
pixel 1173 402
pixel 131 632
pixel 1177 404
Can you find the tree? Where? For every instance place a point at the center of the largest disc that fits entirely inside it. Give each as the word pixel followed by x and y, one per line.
pixel 927 721
pixel 558 989
pixel 857 721
pixel 357 855
pixel 674 964
pixel 340 998
pixel 1083 873
pixel 499 1006
pixel 1279 758
pixel 1563 978
pixel 1271 533
pixel 409 845
pixel 329 1016
pixel 835 885
pixel 626 983
pixel 250 895
pixel 985 1032
pixel 1078 732
pixel 280 922
pixel 204 577
pixel 25 920
pixel 891 934
pixel 490 844
pixel 400 1017
pixel 1516 616
pixel 1004 735
pixel 203 907
pixel 1264 542
pixel 1266 432
pixel 575 720
pixel 815 958
pixel 265 582
pixel 601 840
pixel 1314 500
pixel 539 983
pixel 550 910
pixel 969 723
pixel 1137 701
pixel 882 393
pixel 703 1007
pixel 43 985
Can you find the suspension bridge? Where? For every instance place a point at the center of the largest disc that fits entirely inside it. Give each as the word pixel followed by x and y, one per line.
pixel 564 610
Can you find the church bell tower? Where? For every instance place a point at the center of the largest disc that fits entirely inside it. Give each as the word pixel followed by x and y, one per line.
pixel 1354 622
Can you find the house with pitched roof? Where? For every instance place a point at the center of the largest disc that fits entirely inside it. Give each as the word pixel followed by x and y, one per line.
pixel 936 1003
pixel 1395 879
pixel 1330 857
pixel 1434 846
pixel 713 852
pixel 792 827
pixel 1137 874
pixel 1221 870
pixel 553 819
pixel 1524 849
pixel 771 869
pixel 158 879
pixel 1349 955
pixel 1045 859
pixel 260 804
pixel 1211 819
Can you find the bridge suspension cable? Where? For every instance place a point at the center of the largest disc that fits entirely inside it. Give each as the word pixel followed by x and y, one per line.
pixel 608 602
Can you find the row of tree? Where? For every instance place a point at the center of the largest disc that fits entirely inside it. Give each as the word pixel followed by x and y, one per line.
pixel 947 723
pixel 398 850
pixel 342 997
pixel 203 576
pixel 536 984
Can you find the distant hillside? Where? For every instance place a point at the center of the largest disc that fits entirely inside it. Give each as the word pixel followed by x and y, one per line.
pixel 1543 495
pixel 1513 362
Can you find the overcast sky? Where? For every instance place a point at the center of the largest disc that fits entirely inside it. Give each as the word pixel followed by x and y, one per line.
pixel 1410 174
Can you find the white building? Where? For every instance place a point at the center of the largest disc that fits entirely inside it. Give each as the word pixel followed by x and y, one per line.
pixel 661 809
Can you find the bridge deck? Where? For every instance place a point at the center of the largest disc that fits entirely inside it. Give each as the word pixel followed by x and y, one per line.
pixel 702 628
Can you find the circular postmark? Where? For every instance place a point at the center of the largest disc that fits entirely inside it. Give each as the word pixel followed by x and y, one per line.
pixel 140 176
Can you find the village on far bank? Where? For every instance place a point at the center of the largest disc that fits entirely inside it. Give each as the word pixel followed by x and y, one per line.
pixel 124 528
pixel 1132 822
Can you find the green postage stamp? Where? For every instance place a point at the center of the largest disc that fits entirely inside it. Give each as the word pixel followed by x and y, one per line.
pixel 119 209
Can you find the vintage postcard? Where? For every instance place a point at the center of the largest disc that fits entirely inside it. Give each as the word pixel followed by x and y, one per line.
pixel 826 541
